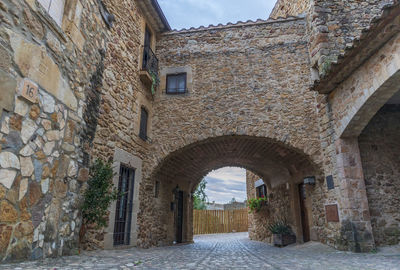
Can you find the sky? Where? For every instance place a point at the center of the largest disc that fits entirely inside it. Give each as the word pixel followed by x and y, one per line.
pixel 225 184
pixel 194 13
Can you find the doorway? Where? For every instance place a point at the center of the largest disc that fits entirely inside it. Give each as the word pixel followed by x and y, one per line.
pixel 123 213
pixel 179 217
pixel 303 212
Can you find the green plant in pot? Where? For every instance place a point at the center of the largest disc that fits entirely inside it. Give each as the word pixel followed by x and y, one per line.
pixel 282 233
pixel 255 204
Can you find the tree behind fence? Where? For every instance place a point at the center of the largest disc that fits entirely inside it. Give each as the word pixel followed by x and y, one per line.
pixel 220 221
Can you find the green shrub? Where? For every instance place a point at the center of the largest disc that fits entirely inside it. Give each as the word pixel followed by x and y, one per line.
pixel 280 226
pixel 99 194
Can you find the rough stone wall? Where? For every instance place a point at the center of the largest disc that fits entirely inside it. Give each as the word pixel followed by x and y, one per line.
pixel 122 93
pixel 41 135
pixel 343 114
pixel 379 148
pixel 278 207
pixel 248 79
pixel 351 111
pixel 286 8
pixel 334 24
pixel 262 67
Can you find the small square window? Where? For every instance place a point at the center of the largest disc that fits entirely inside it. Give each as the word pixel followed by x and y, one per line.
pixel 176 83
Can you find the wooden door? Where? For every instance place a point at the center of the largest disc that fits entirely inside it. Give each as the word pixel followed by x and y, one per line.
pixel 304 215
pixel 179 217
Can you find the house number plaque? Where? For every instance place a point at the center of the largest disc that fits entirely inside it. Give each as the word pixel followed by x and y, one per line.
pixel 29 91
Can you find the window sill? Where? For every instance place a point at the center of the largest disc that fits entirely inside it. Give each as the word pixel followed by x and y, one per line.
pixel 176 93
pixel 146 140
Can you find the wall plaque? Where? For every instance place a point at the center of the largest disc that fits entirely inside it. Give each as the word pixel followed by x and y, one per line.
pixel 29 91
pixel 332 214
pixel 329 182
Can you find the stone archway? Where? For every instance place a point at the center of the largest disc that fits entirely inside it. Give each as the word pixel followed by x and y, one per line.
pixel 184 168
pixel 380 157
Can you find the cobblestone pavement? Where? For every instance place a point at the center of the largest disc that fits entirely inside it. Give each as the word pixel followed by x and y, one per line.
pixel 223 251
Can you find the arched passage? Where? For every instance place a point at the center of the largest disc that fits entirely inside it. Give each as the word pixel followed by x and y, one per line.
pixel 380 158
pixel 181 171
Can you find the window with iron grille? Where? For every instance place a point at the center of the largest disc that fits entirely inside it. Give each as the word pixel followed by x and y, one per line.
pixel 176 83
pixel 262 191
pixel 55 8
pixel 143 124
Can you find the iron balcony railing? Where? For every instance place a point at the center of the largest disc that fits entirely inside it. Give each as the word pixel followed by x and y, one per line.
pixel 150 62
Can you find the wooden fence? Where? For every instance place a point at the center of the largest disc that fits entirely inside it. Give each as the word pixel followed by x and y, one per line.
pixel 220 221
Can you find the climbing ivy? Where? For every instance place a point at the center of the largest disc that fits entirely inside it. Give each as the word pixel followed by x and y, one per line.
pixel 154 82
pixel 99 194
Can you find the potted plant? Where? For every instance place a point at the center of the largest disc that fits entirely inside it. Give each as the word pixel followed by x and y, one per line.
pixel 255 204
pixel 282 233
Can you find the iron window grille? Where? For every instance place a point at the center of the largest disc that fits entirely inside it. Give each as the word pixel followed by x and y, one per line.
pixel 176 83
pixel 150 61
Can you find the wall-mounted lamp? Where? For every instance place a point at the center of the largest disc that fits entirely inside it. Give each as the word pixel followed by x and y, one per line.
pixel 309 180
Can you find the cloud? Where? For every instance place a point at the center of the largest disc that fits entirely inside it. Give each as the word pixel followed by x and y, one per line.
pixel 225 184
pixel 194 13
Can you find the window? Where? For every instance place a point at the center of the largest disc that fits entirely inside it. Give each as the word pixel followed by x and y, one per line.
pixel 143 124
pixel 262 191
pixel 55 8
pixel 176 83
pixel 147 52
pixel 157 189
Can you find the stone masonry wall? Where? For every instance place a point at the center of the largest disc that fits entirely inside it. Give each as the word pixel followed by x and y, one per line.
pixel 42 171
pixel 248 79
pixel 278 207
pixel 286 8
pixel 262 67
pixel 379 147
pixel 334 24
pixel 344 113
pixel 122 95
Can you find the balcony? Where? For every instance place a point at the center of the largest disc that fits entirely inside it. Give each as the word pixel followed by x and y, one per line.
pixel 149 71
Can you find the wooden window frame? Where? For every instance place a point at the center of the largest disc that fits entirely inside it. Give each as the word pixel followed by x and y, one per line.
pixel 176 92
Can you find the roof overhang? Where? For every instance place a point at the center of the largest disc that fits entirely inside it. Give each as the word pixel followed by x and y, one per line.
pixel 154 15
pixel 372 39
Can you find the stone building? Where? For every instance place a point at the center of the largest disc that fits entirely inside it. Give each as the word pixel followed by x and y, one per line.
pixel 235 205
pixel 312 91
